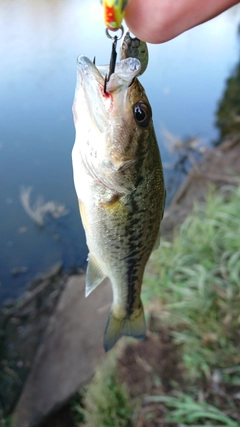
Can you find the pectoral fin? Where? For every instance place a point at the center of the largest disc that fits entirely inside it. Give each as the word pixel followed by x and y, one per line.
pixel 157 242
pixel 130 325
pixel 94 275
pixel 83 214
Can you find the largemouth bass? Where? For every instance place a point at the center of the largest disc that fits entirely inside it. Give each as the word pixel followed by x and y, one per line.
pixel 120 187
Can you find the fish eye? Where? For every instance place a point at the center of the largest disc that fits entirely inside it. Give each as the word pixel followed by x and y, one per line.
pixel 142 113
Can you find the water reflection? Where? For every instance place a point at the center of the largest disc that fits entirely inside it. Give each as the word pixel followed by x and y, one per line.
pixel 40 41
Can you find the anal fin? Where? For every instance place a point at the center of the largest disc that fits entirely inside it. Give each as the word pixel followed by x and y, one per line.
pixel 94 275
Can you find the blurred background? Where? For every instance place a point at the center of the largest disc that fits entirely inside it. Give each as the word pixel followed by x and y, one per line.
pixel 40 41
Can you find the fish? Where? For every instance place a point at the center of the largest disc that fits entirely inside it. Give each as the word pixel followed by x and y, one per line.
pixel 118 177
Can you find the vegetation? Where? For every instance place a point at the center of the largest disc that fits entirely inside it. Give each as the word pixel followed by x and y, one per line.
pixel 197 280
pixel 105 402
pixel 193 285
pixel 228 113
pixel 186 410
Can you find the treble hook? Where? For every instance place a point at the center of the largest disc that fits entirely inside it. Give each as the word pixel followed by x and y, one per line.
pixel 113 56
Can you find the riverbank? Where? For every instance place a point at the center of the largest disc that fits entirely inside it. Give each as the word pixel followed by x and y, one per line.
pixel 187 370
pixel 31 329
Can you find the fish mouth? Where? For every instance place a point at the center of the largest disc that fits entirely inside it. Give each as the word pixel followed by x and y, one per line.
pixel 124 72
pixel 90 85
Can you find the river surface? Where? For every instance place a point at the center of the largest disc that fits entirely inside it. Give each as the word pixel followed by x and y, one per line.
pixel 40 41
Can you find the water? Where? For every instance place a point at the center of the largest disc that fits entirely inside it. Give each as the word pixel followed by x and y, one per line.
pixel 39 43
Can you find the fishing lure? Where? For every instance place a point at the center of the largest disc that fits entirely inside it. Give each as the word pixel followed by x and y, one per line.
pixel 113 16
pixel 114 13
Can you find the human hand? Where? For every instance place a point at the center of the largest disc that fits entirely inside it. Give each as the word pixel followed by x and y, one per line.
pixel 157 21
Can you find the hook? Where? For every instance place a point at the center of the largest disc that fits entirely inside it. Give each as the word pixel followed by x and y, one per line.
pixel 113 57
pixel 112 63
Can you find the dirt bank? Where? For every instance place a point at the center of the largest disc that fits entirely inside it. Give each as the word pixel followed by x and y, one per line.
pixel 219 166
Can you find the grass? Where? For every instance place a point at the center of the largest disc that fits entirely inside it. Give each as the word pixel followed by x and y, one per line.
pixel 184 409
pixel 106 402
pixel 196 279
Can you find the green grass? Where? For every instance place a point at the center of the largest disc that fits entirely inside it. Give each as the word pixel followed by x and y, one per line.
pixel 106 402
pixel 184 409
pixel 196 279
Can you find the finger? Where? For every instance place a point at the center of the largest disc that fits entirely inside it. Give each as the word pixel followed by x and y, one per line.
pixel 158 21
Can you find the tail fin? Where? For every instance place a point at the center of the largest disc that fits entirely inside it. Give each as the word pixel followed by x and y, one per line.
pixel 131 325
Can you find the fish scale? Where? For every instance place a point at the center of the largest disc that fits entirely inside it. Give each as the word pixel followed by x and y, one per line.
pixel 119 183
